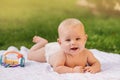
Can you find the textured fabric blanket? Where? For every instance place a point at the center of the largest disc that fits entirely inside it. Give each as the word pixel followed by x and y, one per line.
pixel 42 71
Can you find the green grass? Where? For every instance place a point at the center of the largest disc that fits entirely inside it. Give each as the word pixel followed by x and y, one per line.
pixel 20 20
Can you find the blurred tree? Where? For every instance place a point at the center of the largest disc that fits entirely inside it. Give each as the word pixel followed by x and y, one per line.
pixel 101 6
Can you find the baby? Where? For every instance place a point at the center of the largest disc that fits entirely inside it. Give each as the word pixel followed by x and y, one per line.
pixel 68 54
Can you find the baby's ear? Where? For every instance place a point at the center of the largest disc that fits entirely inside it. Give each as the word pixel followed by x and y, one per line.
pixel 86 36
pixel 58 40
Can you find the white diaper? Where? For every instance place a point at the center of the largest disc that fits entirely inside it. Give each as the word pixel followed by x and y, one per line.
pixel 50 49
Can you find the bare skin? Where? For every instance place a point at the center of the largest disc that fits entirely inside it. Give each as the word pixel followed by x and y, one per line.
pixel 73 57
pixel 37 52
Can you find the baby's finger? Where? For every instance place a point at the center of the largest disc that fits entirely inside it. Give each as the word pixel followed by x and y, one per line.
pixel 87 67
pixel 88 70
pixel 82 70
pixel 92 72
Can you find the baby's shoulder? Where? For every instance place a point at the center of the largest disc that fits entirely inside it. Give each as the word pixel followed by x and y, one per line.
pixel 87 51
pixel 59 53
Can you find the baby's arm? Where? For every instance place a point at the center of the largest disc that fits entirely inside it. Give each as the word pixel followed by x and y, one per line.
pixel 95 65
pixel 58 63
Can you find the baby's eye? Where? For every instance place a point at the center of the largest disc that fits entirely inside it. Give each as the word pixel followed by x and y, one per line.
pixel 67 40
pixel 78 38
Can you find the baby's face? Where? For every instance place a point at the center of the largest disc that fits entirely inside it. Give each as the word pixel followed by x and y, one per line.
pixel 72 40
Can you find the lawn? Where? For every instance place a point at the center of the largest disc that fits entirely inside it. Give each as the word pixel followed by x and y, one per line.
pixel 20 20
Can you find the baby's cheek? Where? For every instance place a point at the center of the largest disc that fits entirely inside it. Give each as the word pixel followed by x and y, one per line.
pixel 65 46
pixel 66 50
pixel 82 45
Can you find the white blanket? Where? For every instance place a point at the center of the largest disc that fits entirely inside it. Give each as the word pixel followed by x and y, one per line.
pixel 42 71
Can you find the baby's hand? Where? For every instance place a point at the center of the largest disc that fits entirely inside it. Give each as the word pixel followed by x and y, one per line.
pixel 78 69
pixel 90 69
pixel 36 39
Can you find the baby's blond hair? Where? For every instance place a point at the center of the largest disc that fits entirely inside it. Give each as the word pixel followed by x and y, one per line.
pixel 71 22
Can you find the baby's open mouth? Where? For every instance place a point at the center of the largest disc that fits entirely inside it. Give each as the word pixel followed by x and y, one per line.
pixel 75 48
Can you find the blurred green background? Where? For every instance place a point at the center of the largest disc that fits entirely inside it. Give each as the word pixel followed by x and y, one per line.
pixel 20 20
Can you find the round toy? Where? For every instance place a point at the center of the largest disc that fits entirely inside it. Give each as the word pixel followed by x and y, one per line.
pixel 12 59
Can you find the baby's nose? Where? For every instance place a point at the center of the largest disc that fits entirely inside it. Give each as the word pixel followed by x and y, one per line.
pixel 73 42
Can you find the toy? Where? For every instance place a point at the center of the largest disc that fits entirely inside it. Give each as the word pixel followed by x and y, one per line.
pixel 12 59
